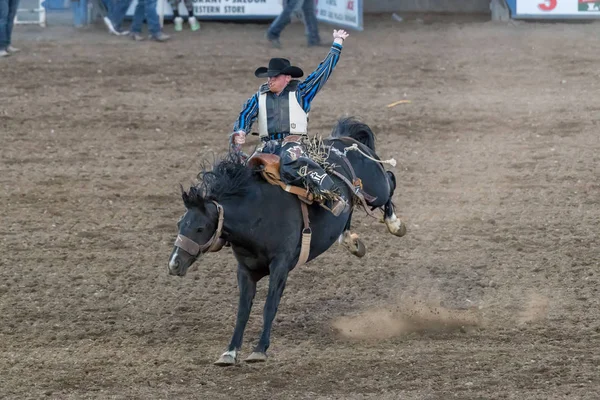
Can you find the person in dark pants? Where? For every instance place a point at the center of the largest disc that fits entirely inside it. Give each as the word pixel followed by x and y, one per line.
pixel 117 9
pixel 147 9
pixel 8 10
pixel 283 20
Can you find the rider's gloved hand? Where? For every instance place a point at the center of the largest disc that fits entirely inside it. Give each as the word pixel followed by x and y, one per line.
pixel 236 141
pixel 238 138
pixel 340 36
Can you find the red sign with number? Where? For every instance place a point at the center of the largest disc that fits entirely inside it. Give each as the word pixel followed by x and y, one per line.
pixel 548 5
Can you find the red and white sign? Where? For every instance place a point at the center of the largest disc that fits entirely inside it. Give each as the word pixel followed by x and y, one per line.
pixel 559 8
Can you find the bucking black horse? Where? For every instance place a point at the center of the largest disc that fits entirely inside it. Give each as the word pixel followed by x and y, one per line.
pixel 264 224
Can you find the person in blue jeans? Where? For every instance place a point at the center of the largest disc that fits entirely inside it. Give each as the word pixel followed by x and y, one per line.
pixel 8 10
pixel 283 20
pixel 147 9
pixel 117 9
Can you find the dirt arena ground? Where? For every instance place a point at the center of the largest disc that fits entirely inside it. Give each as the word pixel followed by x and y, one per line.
pixel 493 293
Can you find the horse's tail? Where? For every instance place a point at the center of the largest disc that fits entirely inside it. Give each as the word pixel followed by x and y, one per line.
pixel 359 131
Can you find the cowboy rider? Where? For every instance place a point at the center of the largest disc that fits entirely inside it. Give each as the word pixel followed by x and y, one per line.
pixel 281 107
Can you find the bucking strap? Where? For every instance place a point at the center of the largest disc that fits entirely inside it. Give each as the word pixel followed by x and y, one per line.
pixel 357 182
pixel 357 192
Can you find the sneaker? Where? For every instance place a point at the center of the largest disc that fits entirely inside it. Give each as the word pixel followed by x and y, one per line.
pixel 110 26
pixel 160 37
pixel 137 36
pixel 12 49
pixel 4 53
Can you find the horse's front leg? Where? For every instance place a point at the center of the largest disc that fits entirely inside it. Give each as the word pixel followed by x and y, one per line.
pixel 247 288
pixel 277 279
pixel 393 223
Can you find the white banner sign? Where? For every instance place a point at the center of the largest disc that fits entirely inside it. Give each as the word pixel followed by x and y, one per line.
pixel 232 9
pixel 343 13
pixel 557 8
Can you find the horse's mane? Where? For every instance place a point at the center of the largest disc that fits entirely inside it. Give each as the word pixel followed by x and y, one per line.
pixel 225 178
pixel 357 130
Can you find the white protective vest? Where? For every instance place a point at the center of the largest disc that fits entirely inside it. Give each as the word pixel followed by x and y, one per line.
pixel 298 118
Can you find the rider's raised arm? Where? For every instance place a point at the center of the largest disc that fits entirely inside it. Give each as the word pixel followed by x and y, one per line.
pixel 314 82
pixel 247 116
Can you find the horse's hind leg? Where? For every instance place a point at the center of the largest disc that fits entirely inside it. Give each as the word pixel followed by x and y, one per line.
pixel 393 223
pixel 351 241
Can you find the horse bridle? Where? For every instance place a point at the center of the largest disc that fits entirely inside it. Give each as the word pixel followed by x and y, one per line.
pixel 193 248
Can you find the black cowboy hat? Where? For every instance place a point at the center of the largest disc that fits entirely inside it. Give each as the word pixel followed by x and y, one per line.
pixel 278 66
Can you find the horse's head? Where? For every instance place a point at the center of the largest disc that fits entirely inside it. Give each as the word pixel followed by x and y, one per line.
pixel 199 232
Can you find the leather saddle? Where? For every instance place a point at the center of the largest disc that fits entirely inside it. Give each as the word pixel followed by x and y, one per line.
pixel 269 168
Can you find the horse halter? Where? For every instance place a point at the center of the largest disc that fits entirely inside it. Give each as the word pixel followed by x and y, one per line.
pixel 194 248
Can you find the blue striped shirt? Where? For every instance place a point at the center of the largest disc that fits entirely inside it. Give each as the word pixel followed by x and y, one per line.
pixel 305 93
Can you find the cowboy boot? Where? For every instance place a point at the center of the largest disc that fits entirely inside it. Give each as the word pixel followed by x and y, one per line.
pixel 338 206
pixel 324 188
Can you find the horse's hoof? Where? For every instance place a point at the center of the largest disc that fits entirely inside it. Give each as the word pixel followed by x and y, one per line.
pixel 226 360
pixel 256 357
pixel 395 226
pixel 361 250
pixel 401 231
pixel 352 243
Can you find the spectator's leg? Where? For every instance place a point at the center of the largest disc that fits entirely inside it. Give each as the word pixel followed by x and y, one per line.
pixel 13 5
pixel 152 17
pixel 138 20
pixel 297 13
pixel 119 11
pixel 312 25
pixel 282 20
pixel 108 4
pixel 4 37
pixel 108 18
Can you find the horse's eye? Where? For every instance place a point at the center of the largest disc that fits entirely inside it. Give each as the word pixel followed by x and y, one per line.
pixel 200 229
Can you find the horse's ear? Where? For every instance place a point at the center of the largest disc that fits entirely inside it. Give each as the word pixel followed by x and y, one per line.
pixel 187 197
pixel 184 195
pixel 193 198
